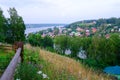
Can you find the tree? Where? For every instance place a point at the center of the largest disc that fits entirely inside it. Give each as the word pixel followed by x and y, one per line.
pixel 35 39
pixel 115 40
pixel 56 30
pixel 16 26
pixel 47 42
pixel 74 46
pixel 3 26
pixel 103 51
pixel 61 43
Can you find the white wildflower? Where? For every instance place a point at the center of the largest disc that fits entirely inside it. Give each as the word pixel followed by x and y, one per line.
pixel 17 79
pixel 39 72
pixel 44 75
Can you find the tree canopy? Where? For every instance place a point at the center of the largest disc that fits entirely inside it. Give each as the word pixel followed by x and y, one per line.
pixel 11 29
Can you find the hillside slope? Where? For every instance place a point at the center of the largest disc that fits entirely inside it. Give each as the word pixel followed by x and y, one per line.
pixel 59 67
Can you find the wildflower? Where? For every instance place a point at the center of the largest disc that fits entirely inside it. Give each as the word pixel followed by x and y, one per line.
pixel 39 72
pixel 17 79
pixel 44 75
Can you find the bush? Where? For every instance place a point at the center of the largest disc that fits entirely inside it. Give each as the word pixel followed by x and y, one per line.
pixel 27 72
pixel 31 56
pixel 50 49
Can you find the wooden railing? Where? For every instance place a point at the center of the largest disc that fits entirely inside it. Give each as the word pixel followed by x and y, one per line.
pixel 10 70
pixel 6 47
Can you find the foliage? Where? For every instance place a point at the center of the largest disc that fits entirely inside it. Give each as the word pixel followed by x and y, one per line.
pixel 31 56
pixel 74 46
pixel 13 28
pixel 5 58
pixel 3 26
pixel 42 70
pixel 101 51
pixel 47 42
pixel 61 43
pixel 29 68
pixel 37 40
pixel 92 63
pixel 27 72
pixel 115 41
pixel 17 26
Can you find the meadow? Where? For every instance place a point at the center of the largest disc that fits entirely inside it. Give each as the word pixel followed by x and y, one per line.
pixel 57 67
pixel 40 64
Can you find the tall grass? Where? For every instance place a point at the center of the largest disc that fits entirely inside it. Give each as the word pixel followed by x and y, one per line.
pixel 59 67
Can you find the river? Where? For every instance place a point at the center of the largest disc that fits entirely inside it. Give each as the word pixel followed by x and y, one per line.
pixel 31 28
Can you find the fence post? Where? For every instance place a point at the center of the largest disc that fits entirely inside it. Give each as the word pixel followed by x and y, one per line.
pixel 20 45
pixel 17 45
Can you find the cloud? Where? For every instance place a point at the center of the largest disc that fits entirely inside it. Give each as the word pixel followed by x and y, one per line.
pixel 59 11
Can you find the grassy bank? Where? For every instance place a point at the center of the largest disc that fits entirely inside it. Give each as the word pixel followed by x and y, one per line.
pixel 59 67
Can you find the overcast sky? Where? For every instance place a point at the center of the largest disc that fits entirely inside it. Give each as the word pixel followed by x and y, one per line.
pixel 62 11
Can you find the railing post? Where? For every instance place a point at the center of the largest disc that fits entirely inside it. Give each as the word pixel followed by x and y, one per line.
pixel 20 45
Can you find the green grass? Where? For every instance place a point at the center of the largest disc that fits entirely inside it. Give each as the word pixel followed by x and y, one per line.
pixel 33 63
pixel 5 58
pixel 28 70
pixel 58 67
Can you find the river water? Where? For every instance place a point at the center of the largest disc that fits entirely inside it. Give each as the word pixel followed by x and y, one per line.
pixel 32 28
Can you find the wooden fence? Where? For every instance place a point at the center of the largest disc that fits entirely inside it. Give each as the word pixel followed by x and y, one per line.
pixel 10 70
pixel 6 47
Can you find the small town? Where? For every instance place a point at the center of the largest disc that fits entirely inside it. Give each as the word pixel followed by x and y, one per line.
pixel 77 30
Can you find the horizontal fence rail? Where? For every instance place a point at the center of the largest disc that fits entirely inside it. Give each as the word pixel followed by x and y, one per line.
pixel 6 47
pixel 10 70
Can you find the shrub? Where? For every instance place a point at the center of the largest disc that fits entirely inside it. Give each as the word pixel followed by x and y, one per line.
pixel 27 72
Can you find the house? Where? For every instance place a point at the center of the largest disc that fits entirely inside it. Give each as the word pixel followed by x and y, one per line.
pixel 79 29
pixel 69 29
pixel 109 24
pixel 107 36
pixel 67 51
pixel 112 30
pixel 77 34
pixel 43 35
pixel 72 33
pixel 94 22
pixel 65 31
pixel 60 30
pixel 82 54
pixel 87 33
pixel 94 30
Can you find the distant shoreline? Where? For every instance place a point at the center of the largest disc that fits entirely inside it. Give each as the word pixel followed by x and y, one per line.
pixel 32 28
pixel 42 25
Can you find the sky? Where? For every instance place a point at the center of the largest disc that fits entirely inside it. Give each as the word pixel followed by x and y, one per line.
pixel 62 11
